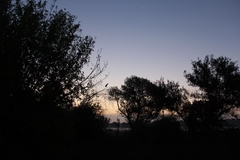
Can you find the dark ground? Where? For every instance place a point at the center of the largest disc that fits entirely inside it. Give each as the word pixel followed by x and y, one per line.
pixel 125 146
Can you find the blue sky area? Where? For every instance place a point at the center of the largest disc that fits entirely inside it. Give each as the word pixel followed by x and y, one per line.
pixel 158 38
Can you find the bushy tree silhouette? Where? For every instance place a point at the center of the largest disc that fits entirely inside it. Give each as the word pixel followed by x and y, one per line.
pixel 43 55
pixel 136 101
pixel 43 51
pixel 218 81
pixel 89 121
pixel 140 101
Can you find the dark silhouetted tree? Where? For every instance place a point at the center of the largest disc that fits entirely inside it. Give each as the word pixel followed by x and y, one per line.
pixel 174 99
pixel 43 71
pixel 218 81
pixel 171 95
pixel 43 52
pixel 136 101
pixel 88 120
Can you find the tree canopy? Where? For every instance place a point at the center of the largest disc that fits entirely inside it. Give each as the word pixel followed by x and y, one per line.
pixel 218 82
pixel 140 100
pixel 42 66
pixel 135 100
pixel 218 93
pixel 44 52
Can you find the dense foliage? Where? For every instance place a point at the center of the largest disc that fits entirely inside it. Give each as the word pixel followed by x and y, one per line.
pixel 136 101
pixel 140 100
pixel 43 79
pixel 218 82
pixel 43 52
pixel 217 94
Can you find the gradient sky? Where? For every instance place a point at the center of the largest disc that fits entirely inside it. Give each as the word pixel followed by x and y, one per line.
pixel 158 38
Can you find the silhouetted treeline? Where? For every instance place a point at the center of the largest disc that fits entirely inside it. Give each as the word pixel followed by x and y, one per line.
pixel 217 80
pixel 49 110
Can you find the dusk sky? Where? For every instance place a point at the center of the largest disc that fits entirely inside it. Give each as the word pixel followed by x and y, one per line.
pixel 157 38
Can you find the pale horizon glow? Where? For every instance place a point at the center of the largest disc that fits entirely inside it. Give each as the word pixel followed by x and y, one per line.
pixel 157 38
